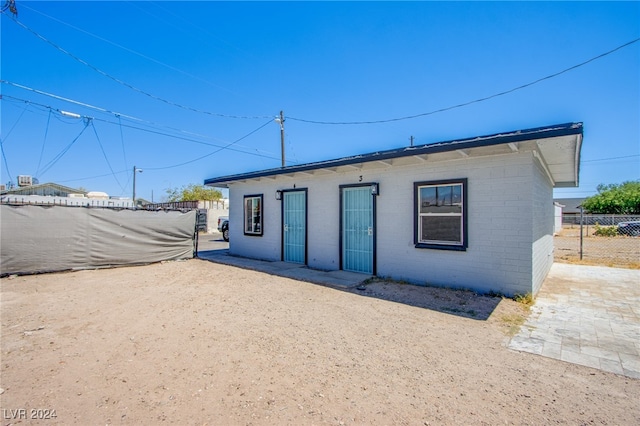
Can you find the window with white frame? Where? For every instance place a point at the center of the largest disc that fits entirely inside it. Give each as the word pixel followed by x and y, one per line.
pixel 253 214
pixel 440 214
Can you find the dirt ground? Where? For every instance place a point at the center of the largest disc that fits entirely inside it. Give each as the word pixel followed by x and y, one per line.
pixel 620 251
pixel 195 342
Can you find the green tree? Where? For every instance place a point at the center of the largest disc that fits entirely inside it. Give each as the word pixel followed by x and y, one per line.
pixel 615 198
pixel 193 192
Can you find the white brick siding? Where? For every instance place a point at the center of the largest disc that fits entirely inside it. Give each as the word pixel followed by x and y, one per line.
pixel 543 226
pixel 510 222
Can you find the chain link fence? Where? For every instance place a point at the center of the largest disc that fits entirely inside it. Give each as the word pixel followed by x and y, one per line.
pixel 608 240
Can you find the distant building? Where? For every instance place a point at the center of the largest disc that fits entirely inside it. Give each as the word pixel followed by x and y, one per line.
pixel 44 189
pixel 55 194
pixel 98 195
pixel 570 206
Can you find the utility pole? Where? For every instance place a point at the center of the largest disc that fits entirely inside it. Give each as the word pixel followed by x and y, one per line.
pixel 281 121
pixel 135 170
pixel 411 139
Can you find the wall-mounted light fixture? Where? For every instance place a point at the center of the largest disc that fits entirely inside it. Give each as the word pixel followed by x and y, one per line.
pixel 278 195
pixel 375 190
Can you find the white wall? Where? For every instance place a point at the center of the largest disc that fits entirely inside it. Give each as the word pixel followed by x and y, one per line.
pixel 267 246
pixel 498 257
pixel 212 218
pixel 557 225
pixel 500 205
pixel 543 226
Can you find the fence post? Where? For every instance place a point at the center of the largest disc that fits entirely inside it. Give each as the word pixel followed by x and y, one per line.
pixel 581 222
pixel 589 220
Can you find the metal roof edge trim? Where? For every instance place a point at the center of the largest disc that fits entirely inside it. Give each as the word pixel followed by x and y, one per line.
pixel 566 129
pixel 577 159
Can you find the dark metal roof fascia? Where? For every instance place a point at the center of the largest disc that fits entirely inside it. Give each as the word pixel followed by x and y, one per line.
pixel 566 129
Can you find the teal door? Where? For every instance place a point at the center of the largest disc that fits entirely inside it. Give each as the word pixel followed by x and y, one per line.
pixel 357 229
pixel 294 226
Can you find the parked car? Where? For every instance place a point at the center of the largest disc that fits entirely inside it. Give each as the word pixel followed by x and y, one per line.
pixel 631 228
pixel 223 226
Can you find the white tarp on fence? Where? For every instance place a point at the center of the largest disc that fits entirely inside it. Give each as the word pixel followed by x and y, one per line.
pixel 37 239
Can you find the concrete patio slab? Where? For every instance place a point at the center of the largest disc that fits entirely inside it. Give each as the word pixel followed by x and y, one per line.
pixel 587 315
pixel 336 279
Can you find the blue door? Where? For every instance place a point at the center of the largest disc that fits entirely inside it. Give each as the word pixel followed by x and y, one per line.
pixel 357 229
pixel 294 226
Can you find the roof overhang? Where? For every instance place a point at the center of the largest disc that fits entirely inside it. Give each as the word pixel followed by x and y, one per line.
pixel 556 147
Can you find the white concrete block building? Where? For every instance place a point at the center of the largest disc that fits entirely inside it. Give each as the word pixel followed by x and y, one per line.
pixel 472 213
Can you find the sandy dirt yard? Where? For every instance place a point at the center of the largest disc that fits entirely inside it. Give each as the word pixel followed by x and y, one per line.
pixel 619 252
pixel 195 342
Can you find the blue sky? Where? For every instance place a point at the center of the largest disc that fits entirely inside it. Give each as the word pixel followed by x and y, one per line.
pixel 157 84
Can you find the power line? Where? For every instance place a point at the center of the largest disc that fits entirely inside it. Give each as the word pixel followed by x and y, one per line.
pixel 192 140
pixel 93 177
pixel 14 124
pixel 301 119
pixel 119 123
pixel 175 165
pixel 4 158
pixel 486 98
pixel 46 131
pixel 611 158
pixel 257 154
pixel 93 107
pixel 61 98
pixel 128 49
pixel 95 131
pixel 86 105
pixel 124 153
pixel 118 115
pixel 211 153
pixel 130 86
pixel 61 154
pixel 191 24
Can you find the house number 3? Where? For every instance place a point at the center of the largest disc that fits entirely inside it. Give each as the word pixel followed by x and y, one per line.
pixel 360 179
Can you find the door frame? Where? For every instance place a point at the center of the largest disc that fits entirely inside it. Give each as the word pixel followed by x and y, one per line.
pixel 306 221
pixel 374 255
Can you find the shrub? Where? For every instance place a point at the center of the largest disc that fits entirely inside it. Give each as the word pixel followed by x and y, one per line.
pixel 525 299
pixel 605 231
